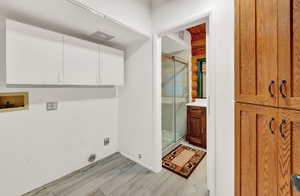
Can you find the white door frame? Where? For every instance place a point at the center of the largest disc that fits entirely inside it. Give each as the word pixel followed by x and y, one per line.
pixel 208 18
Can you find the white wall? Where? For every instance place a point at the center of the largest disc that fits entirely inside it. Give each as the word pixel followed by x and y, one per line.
pixel 135 105
pixel 225 96
pixel 132 13
pixel 37 147
pixel 170 14
pixel 172 43
pixel 135 98
pixel 55 143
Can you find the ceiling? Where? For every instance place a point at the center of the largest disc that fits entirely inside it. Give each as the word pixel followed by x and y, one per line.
pixel 171 45
pixel 67 18
pixel 157 3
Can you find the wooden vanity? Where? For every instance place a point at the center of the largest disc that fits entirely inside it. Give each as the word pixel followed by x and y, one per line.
pixel 196 126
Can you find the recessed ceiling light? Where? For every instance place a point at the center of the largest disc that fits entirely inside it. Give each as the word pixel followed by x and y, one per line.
pixel 101 36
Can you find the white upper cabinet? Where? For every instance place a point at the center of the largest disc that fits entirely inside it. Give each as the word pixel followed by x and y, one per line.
pixel 111 66
pixel 33 55
pixel 81 62
pixel 41 57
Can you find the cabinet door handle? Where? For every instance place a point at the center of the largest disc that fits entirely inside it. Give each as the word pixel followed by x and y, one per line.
pixel 270 125
pixel 295 178
pixel 270 88
pixel 282 88
pixel 283 122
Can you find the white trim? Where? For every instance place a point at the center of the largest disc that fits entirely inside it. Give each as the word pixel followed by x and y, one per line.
pixel 204 17
pixel 136 160
pixel 211 92
pixel 157 133
pixel 186 23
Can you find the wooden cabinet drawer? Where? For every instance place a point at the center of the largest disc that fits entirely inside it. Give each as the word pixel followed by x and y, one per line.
pixel 196 111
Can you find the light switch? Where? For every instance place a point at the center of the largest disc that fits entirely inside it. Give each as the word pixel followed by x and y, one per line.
pixel 51 106
pixel 106 141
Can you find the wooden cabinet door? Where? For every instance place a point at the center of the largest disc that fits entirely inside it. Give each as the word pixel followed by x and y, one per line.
pixel 195 134
pixel 256 52
pixel 81 62
pixel 111 66
pixel 197 126
pixel 33 55
pixel 256 150
pixel 289 53
pixel 289 150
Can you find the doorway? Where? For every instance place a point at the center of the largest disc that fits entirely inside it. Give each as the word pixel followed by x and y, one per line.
pixel 202 18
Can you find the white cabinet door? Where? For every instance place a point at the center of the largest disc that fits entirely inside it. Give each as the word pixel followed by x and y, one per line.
pixel 81 62
pixel 111 66
pixel 33 55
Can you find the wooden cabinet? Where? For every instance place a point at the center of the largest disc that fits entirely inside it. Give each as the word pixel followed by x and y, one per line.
pixel 33 55
pixel 289 150
pixel 267 73
pixel 267 150
pixel 196 126
pixel 289 53
pixel 256 52
pixel 256 150
pixel 267 52
pixel 81 62
pixel 111 66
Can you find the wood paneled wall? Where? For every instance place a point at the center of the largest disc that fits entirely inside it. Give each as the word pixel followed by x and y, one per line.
pixel 198 34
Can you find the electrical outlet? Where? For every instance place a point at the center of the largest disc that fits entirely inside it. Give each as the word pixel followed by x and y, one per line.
pixel 92 158
pixel 50 106
pixel 140 156
pixel 207 193
pixel 106 141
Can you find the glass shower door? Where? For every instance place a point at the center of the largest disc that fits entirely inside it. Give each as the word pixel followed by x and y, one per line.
pixel 181 99
pixel 174 99
pixel 168 124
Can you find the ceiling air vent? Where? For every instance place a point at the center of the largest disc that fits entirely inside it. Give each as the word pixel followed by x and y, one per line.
pixel 101 36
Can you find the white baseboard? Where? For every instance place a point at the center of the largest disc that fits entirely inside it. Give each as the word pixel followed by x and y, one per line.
pixel 134 159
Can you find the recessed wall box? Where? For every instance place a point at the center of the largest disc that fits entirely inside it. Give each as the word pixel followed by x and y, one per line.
pixel 13 101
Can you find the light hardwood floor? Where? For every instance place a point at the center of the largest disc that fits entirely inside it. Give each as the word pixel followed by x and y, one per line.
pixel 119 176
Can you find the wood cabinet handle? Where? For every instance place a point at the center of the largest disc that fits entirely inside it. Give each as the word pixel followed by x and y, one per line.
pixel 295 178
pixel 281 128
pixel 282 88
pixel 270 88
pixel 270 125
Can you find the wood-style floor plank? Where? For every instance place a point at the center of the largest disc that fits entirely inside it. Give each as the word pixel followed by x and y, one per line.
pixel 119 176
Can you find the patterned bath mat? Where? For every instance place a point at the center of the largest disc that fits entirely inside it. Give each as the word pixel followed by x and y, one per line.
pixel 183 160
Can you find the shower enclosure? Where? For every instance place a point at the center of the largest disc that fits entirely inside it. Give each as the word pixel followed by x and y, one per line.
pixel 175 88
